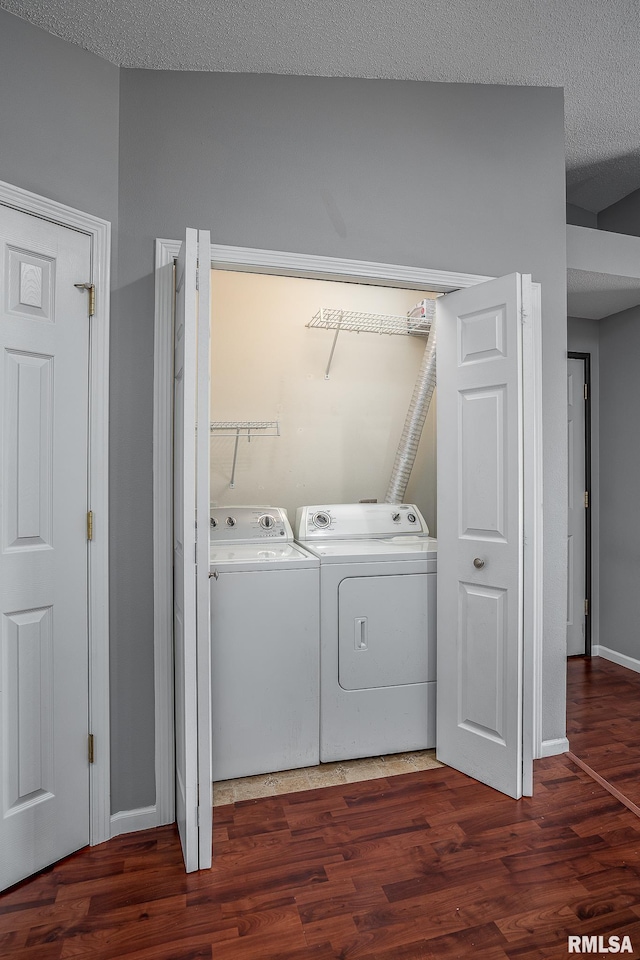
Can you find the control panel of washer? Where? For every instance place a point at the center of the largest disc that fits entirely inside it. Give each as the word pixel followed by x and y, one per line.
pixel 359 521
pixel 249 524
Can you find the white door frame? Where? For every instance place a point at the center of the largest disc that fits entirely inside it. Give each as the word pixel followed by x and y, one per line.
pixel 99 232
pixel 278 263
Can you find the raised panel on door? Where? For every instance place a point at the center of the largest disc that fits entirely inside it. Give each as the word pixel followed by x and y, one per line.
pixel 480 531
pixel 44 339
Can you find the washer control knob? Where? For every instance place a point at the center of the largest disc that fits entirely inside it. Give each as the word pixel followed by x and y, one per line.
pixel 321 519
pixel 214 522
pixel 267 522
pixel 230 521
pixel 395 517
pixel 411 517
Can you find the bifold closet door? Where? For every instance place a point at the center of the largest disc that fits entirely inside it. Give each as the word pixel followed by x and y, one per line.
pixel 481 551
pixel 192 672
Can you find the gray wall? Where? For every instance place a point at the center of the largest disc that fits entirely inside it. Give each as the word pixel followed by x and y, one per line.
pixel 620 458
pixel 619 471
pixel 580 217
pixel 467 178
pixel 623 216
pixel 583 336
pixel 59 133
pixel 59 116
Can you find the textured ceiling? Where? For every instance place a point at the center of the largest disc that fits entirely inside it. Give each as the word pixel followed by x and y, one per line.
pixel 589 47
pixel 594 296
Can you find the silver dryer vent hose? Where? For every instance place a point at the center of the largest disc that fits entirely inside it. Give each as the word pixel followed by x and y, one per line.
pixel 414 422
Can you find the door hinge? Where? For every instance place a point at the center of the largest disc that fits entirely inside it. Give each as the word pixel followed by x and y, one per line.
pixel 198 277
pixel 90 749
pixel 91 288
pixel 586 608
pixel 586 499
pixel 586 391
pixel 89 524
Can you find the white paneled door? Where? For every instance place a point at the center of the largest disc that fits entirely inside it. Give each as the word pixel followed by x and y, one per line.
pixel 481 509
pixel 44 337
pixel 192 671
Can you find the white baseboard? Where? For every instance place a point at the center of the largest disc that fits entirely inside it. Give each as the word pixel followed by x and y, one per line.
pixel 551 748
pixel 620 658
pixel 128 821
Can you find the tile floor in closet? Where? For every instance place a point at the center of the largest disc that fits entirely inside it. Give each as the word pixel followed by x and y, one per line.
pixel 324 775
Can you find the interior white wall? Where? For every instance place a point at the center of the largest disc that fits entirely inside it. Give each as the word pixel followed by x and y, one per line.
pixel 338 436
pixel 583 336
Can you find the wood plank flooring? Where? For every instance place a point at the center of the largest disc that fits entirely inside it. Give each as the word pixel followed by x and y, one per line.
pixel 423 865
pixel 603 720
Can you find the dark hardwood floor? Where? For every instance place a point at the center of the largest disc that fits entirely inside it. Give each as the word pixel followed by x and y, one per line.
pixel 603 721
pixel 424 865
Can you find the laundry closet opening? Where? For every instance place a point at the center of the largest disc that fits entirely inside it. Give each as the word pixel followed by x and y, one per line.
pixel 302 414
pixel 329 440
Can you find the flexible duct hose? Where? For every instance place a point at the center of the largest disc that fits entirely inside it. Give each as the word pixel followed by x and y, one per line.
pixel 414 422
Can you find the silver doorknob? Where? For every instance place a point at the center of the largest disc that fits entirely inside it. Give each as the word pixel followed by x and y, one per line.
pixel 478 563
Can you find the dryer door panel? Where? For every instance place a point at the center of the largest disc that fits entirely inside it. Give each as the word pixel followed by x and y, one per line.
pixel 386 630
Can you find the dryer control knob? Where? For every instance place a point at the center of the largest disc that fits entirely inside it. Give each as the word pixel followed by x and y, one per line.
pixel 321 519
pixel 230 522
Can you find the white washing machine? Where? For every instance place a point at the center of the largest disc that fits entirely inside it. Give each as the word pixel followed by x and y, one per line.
pixel 264 644
pixel 378 568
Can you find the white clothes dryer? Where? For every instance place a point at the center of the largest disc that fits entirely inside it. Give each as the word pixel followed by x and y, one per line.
pixel 264 644
pixel 378 568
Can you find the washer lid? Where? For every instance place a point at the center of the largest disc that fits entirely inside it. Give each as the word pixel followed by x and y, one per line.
pixel 404 548
pixel 259 556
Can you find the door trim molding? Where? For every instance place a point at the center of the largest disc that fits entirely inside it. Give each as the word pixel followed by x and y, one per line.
pixel 588 521
pixel 248 260
pixel 99 232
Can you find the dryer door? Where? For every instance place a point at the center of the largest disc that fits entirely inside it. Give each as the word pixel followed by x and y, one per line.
pixel 384 625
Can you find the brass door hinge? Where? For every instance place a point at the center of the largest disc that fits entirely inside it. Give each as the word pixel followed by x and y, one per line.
pixel 586 499
pixel 90 749
pixel 90 525
pixel 91 288
pixel 586 608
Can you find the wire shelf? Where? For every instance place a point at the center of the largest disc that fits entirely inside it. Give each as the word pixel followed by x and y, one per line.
pixel 331 318
pixel 247 428
pixel 243 428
